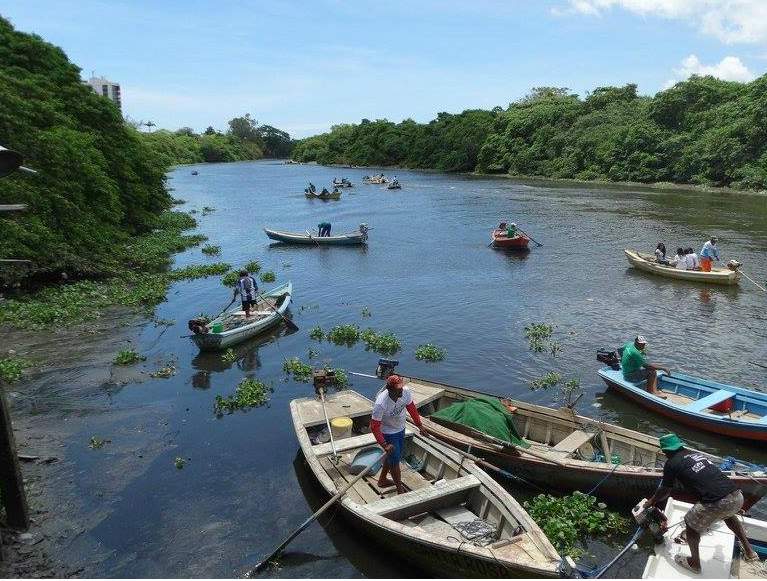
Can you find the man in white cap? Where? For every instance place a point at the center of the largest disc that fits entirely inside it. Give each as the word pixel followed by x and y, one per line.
pixel 708 254
pixel 636 367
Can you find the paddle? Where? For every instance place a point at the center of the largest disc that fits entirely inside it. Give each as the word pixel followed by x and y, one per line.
pixel 530 237
pixel 291 325
pixel 312 238
pixel 273 555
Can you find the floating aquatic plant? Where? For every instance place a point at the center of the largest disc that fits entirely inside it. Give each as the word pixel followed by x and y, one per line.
pixel 548 380
pixel 198 271
pixel 207 210
pixel 366 312
pixel 12 368
pixel 164 372
pixel 97 443
pixel 268 276
pixel 317 333
pixel 211 250
pixel 313 353
pixel 429 352
pixel 344 335
pixel 179 462
pixel 383 343
pixel 253 267
pixel 249 393
pixel 298 369
pixel 128 357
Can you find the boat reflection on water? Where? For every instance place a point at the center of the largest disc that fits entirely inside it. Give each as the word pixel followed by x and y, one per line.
pixel 245 354
pixel 363 554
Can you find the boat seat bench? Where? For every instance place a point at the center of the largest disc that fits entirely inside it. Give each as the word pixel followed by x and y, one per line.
pixel 574 441
pixel 424 500
pixel 710 400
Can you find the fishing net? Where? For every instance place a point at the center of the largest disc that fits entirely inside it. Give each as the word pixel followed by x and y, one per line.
pixel 486 414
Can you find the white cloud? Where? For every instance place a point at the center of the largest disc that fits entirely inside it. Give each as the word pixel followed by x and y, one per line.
pixel 731 21
pixel 730 68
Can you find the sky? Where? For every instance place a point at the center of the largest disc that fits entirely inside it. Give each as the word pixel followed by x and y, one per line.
pixel 303 66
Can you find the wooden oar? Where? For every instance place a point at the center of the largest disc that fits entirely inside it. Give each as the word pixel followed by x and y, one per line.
pixel 530 237
pixel 291 325
pixel 327 423
pixel 273 555
pixel 312 238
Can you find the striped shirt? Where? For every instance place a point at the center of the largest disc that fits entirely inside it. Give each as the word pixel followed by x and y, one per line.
pixel 247 288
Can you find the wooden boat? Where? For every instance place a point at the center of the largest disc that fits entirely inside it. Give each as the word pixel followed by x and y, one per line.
pixel 356 237
pixel 236 328
pixel 444 493
pixel 628 464
pixel 718 557
pixel 394 186
pixel 375 180
pixel 647 263
pixel 707 405
pixel 518 242
pixel 328 196
pixel 343 185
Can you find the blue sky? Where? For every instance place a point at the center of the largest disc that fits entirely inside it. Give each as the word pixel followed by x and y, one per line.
pixel 304 66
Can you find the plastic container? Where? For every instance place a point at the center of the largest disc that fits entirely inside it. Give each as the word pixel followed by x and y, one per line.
pixel 341 427
pixel 217 328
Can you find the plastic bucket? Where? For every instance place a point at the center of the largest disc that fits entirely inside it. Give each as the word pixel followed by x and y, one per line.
pixel 341 427
pixel 217 328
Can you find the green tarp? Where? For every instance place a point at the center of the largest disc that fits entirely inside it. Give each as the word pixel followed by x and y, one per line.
pixel 486 414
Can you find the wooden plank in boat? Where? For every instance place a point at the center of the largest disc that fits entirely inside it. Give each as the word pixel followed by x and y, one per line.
pixel 344 403
pixel 438 528
pixel 339 480
pixel 340 474
pixel 424 498
pixel 412 479
pixel 713 399
pixel 424 394
pixel 574 441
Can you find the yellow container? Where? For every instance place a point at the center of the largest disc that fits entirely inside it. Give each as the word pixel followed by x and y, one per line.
pixel 341 427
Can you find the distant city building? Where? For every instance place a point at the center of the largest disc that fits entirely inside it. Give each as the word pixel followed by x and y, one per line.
pixel 105 88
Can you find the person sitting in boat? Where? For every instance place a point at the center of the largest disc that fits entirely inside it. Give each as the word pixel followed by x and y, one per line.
pixel 636 368
pixel 693 262
pixel 324 228
pixel 336 190
pixel 324 192
pixel 717 499
pixel 247 288
pixel 388 426
pixel 511 230
pixel 678 257
pixel 660 253
pixel 708 254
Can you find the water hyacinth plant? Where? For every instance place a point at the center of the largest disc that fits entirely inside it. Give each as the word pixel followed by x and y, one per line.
pixel 429 352
pixel 250 393
pixel 548 380
pixel 317 333
pixel 12 368
pixel 298 369
pixel 127 357
pixel 537 334
pixel 268 276
pixel 383 343
pixel 211 250
pixel 344 335
pixel 229 356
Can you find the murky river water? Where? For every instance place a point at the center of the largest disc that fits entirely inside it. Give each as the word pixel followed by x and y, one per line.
pixel 428 276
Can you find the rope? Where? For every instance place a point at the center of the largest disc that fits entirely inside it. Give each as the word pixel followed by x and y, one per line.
pixel 606 476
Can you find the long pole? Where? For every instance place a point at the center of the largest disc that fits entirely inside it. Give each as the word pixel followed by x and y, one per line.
pixel 327 423
pixel 259 566
pixel 291 325
pixel 760 287
pixel 530 237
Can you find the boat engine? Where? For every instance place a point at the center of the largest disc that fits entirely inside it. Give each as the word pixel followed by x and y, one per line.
pixel 734 265
pixel 323 378
pixel 385 367
pixel 610 358
pixel 198 326
pixel 650 519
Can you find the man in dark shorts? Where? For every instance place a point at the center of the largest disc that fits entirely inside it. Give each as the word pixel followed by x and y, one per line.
pixel 718 498
pixel 247 288
pixel 636 368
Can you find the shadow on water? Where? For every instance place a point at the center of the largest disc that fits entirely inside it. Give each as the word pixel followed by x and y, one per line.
pixel 352 546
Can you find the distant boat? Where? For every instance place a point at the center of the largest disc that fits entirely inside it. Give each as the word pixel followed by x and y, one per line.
pixel 501 240
pixel 233 327
pixel 343 184
pixel 349 238
pixel 723 409
pixel 647 263
pixel 194 173
pixel 394 186
pixel 374 180
pixel 328 196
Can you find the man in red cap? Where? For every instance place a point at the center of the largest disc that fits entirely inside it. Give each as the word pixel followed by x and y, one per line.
pixel 388 426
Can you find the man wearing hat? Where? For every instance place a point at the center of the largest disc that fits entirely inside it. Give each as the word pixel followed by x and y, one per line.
pixel 718 498
pixel 388 427
pixel 636 368
pixel 708 254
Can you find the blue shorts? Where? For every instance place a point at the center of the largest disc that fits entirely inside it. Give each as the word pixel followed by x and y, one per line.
pixel 398 441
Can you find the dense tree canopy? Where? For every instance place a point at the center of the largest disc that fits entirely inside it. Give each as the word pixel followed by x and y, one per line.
pixel 701 131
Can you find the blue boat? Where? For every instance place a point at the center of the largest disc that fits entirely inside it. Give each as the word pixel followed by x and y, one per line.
pixel 701 403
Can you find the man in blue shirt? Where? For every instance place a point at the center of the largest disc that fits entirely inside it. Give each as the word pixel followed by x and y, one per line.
pixel 708 254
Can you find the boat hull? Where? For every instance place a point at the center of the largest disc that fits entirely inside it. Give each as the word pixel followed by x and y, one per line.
pixel 646 263
pixel 518 242
pixel 297 238
pixel 323 197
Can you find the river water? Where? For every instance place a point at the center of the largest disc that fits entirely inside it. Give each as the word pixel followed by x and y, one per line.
pixel 428 275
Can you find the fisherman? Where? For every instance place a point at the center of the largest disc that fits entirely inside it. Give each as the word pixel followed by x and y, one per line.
pixel 511 230
pixel 717 499
pixel 247 288
pixel 312 189
pixel 324 192
pixel 323 229
pixel 388 427
pixel 660 253
pixel 708 254
pixel 636 368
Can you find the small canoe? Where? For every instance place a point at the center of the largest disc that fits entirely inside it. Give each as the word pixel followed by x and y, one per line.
pixel 394 187
pixel 343 185
pixel 707 405
pixel 374 181
pixel 328 196
pixel 237 328
pixel 718 557
pixel 647 263
pixel 349 238
pixel 518 242
pixel 452 521
pixel 627 463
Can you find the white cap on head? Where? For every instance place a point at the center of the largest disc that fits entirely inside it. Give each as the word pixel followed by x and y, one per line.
pixel 513 223
pixel 640 340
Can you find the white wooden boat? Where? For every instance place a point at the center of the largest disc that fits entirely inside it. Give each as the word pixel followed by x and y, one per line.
pixel 349 238
pixel 647 263
pixel 717 550
pixel 236 328
pixel 446 494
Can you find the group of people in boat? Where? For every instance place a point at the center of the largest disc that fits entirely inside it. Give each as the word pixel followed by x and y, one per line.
pixel 312 189
pixel 511 229
pixel 687 259
pixel 343 182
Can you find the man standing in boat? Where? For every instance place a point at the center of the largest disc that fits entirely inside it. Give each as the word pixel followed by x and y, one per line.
pixel 717 499
pixel 247 288
pixel 388 427
pixel 636 368
pixel 708 254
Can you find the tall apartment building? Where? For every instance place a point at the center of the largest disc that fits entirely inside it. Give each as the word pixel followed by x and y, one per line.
pixel 105 88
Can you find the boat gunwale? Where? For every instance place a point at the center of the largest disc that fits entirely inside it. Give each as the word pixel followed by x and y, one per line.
pixel 717 275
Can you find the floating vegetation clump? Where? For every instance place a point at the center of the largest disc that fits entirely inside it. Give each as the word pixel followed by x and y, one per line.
pixel 178 201
pixel 253 267
pixel 249 393
pixel 383 343
pixel 164 322
pixel 229 356
pixel 268 276
pixel 537 334
pixel 341 377
pixel 298 369
pixel 179 462
pixel 551 379
pixel 344 335
pixel 198 271
pixel 97 443
pixel 366 312
pixel 230 279
pixel 317 333
pixel 429 352
pixel 12 368
pixel 211 249
pixel 164 372
pixel 128 357
pixel 567 520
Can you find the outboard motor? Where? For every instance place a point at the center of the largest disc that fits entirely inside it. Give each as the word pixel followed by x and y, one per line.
pixel 650 519
pixel 386 368
pixel 610 358
pixel 198 326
